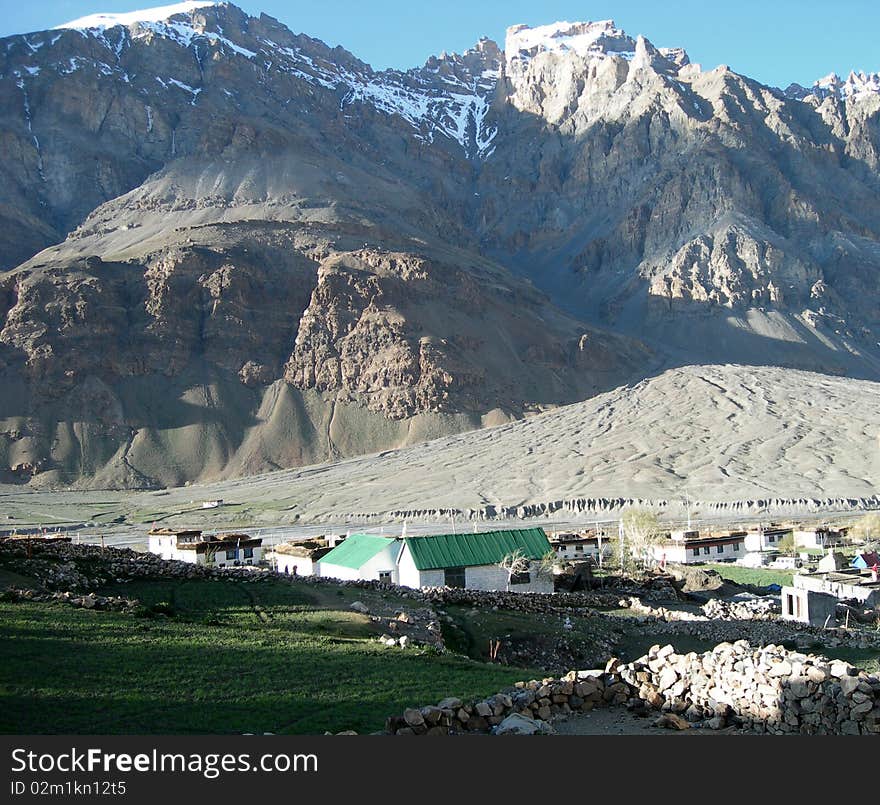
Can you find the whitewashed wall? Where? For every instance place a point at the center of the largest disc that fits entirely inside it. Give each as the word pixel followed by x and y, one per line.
pixel 298 565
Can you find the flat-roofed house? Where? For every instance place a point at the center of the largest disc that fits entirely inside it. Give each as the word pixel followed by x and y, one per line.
pixel 765 539
pixel 215 550
pixel 471 560
pixel 848 584
pixel 689 547
pixel 818 537
pixel 580 547
pixel 362 556
pixel 298 558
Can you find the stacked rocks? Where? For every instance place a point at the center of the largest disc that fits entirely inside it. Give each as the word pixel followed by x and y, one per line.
pixel 90 601
pixel 767 689
pixel 753 609
pixel 577 691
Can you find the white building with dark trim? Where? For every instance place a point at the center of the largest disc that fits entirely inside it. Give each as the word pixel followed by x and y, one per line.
pixel 471 561
pixel 211 550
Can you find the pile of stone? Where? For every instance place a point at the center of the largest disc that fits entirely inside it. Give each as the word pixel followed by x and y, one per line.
pixel 112 603
pixel 520 602
pixel 715 609
pixel 65 566
pixel 767 689
pixel 661 613
pixel 749 609
pixel 759 632
pixel 577 691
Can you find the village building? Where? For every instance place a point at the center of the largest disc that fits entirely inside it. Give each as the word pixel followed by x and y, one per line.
pixel 831 561
pixel 808 606
pixel 298 558
pixel 580 547
pixel 819 537
pixel 214 550
pixel 848 584
pixel 688 547
pixel 865 561
pixel 362 556
pixel 765 538
pixel 471 561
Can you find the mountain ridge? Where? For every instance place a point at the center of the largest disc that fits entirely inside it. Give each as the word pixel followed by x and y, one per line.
pixel 233 248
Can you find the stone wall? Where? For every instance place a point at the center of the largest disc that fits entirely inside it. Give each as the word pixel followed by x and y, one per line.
pixel 768 689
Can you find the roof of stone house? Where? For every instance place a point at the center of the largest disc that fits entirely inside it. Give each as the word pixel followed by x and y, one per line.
pixel 438 551
pixel 356 550
pixel 310 549
pixel 219 542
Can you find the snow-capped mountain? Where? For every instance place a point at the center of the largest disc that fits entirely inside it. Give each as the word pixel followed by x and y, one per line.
pixel 855 87
pixel 232 240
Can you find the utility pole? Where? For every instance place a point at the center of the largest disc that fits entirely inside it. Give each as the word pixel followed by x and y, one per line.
pixel 687 498
pixel 620 535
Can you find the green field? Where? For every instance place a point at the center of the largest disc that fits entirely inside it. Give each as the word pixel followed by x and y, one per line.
pixel 758 576
pixel 227 658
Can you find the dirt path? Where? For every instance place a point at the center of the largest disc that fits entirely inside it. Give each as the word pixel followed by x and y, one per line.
pixel 619 721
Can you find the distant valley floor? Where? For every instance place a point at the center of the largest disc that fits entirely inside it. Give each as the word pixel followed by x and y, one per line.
pixel 713 434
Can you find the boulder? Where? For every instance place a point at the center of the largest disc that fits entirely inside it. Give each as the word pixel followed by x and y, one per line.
pixel 516 724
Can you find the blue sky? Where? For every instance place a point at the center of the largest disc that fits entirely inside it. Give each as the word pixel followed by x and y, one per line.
pixel 775 41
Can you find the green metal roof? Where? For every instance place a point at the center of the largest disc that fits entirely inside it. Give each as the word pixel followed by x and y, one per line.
pixel 355 550
pixel 469 550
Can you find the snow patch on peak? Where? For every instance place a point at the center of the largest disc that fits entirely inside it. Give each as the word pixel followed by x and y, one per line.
pixel 856 87
pixel 583 38
pixel 158 14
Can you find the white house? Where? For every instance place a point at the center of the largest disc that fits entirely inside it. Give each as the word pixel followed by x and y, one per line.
pixel 765 539
pixel 362 556
pixel 470 560
pixel 298 558
pixel 215 550
pixel 819 537
pixel 689 549
pixel 845 584
pixel 580 547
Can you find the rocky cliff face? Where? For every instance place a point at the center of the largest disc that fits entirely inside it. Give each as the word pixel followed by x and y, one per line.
pixel 226 248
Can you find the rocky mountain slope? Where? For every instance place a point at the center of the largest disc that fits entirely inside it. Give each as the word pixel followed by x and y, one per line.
pixel 227 248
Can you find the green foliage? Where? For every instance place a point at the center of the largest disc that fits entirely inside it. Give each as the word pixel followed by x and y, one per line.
pixel 232 658
pixel 786 546
pixel 759 576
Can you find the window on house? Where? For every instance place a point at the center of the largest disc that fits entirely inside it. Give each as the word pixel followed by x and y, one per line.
pixel 736 547
pixel 771 539
pixel 579 548
pixel 521 578
pixel 385 575
pixel 719 548
pixel 230 554
pixel 454 577
pixel 696 551
pixel 706 551
pixel 248 553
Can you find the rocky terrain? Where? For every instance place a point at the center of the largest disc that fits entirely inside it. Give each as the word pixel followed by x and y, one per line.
pixel 752 442
pixel 757 689
pixel 226 248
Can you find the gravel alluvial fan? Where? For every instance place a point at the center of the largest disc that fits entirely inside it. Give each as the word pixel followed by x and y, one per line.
pixel 226 248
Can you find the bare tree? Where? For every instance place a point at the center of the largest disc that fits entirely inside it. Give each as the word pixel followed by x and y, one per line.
pixel 641 532
pixel 514 564
pixel 866 528
pixel 549 564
